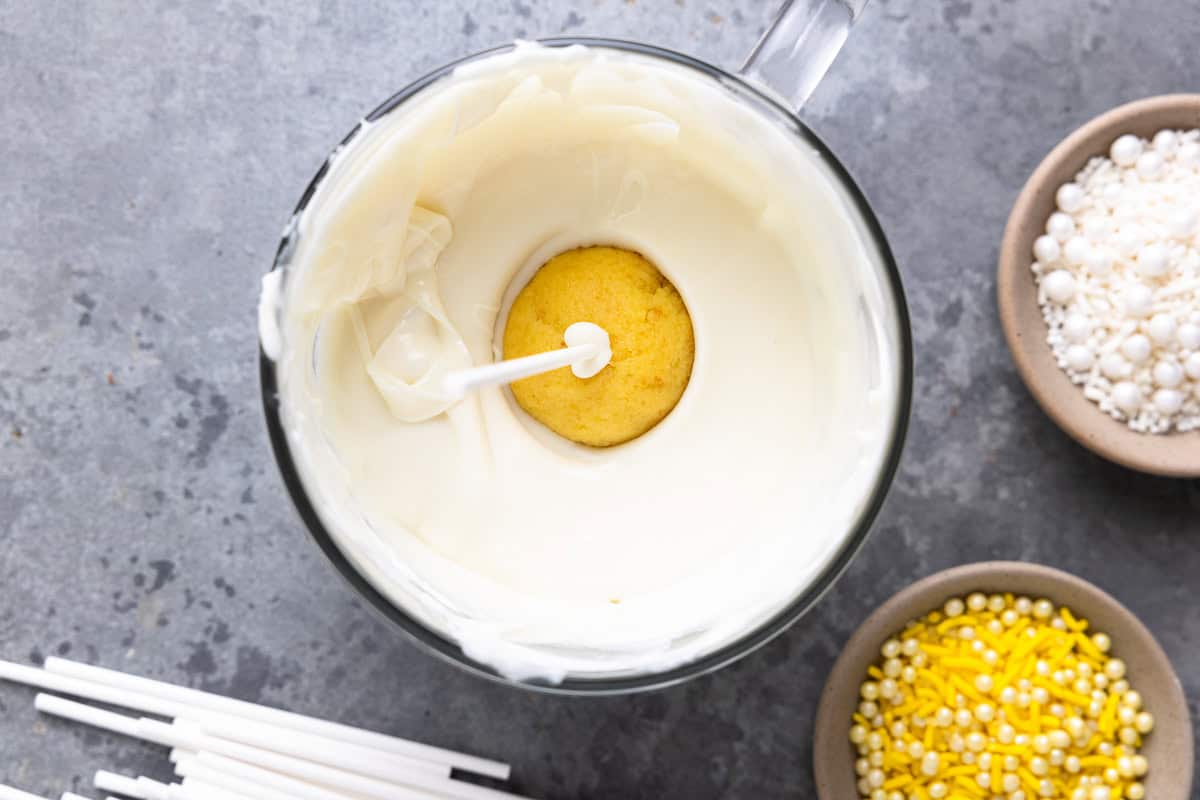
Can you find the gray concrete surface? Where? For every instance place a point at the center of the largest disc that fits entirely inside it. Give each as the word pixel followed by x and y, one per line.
pixel 149 155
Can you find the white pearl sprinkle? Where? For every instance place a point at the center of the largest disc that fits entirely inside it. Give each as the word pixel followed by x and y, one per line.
pixel 1077 328
pixel 1070 197
pixel 1099 261
pixel 1060 226
pixel 1161 328
pixel 1126 149
pixel 1080 358
pixel 1060 286
pixel 1127 396
pixel 1129 240
pixel 1192 366
pixel 1076 251
pixel 1152 261
pixel 1168 374
pixel 1150 165
pixel 1137 299
pixel 1168 401
pixel 1189 335
pixel 1115 367
pixel 1166 143
pixel 1136 348
pixel 1046 249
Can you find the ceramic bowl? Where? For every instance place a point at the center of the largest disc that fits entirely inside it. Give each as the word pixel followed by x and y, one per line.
pixel 1176 454
pixel 1168 747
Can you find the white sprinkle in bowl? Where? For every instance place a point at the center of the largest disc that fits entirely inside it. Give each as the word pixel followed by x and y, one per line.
pixel 1172 454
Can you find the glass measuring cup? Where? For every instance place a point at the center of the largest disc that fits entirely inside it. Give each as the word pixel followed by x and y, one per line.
pixel 783 70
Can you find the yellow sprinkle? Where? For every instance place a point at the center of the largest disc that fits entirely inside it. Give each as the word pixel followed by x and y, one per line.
pixel 958 662
pixel 1015 631
pixel 956 622
pixel 969 786
pixel 950 667
pixel 1074 698
pixel 1060 654
pixel 1028 667
pixel 929 694
pixel 937 650
pixel 1085 644
pixel 1029 781
pixel 989 638
pixel 1027 645
pixel 1108 717
pixel 966 688
pixel 1023 725
pixel 937 682
pixel 1072 623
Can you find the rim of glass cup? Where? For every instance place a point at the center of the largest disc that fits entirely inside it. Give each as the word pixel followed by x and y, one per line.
pixel 446 649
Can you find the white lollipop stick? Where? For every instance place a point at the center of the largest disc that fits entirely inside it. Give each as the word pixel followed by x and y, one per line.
pixel 195 790
pixel 311 747
pixel 111 782
pixel 587 352
pixel 292 787
pixel 193 773
pixel 187 737
pixel 89 715
pixel 147 789
pixel 319 749
pixel 167 700
pixel 9 793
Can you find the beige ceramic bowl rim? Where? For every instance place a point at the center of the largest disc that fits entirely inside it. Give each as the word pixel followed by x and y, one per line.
pixel 1172 738
pixel 1172 455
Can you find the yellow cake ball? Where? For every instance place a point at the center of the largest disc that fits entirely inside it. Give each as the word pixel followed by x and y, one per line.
pixel 652 343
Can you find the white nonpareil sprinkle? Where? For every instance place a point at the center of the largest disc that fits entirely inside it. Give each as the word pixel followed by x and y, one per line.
pixel 1118 274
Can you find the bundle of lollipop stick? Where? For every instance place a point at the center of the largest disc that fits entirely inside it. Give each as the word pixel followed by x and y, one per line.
pixel 227 749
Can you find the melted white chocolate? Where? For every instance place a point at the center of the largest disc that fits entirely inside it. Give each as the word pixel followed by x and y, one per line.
pixel 539 557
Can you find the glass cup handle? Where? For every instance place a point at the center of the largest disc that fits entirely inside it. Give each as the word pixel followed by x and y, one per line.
pixel 796 51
